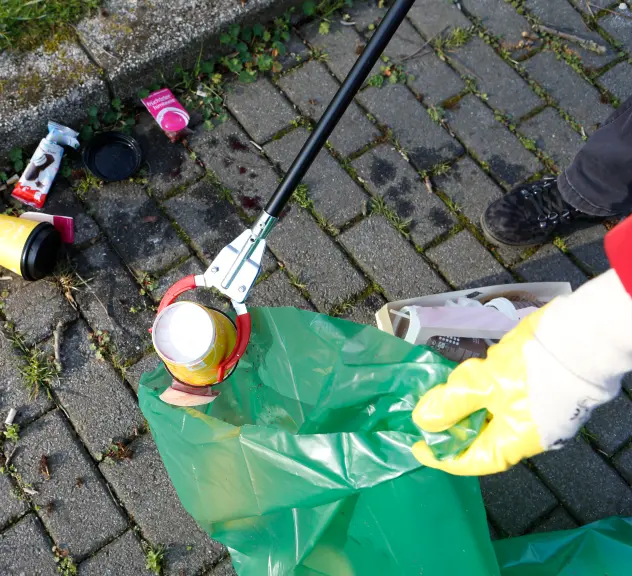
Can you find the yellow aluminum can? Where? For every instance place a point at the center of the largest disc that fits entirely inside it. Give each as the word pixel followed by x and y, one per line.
pixel 193 341
pixel 14 233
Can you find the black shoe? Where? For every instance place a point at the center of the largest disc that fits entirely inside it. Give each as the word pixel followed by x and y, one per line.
pixel 529 214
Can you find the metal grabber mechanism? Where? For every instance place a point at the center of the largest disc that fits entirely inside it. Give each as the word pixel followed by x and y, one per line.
pixel 235 269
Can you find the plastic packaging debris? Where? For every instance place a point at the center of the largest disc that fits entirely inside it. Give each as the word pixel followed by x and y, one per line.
pixel 303 463
pixel 32 188
pixel 112 156
pixel 168 112
pixel 462 325
pixel 65 225
pixel 603 547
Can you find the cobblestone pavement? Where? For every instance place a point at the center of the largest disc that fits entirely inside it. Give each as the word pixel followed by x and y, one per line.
pixel 391 209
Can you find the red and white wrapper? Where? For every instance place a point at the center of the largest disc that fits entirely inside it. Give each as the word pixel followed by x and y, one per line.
pixel 36 180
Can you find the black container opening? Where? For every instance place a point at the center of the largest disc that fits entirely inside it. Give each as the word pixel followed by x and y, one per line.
pixel 40 252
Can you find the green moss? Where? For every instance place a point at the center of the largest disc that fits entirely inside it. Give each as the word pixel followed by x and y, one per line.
pixel 26 25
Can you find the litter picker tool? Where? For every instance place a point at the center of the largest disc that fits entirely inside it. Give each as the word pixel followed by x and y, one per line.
pixel 235 269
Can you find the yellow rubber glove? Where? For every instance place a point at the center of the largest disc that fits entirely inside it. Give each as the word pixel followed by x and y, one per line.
pixel 539 383
pixel 497 383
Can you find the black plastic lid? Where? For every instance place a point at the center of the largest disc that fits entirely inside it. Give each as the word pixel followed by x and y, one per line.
pixel 39 255
pixel 112 156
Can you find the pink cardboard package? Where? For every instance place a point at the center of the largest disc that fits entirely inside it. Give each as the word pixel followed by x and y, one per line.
pixel 168 112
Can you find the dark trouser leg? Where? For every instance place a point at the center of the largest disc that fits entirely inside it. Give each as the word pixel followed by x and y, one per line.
pixel 599 180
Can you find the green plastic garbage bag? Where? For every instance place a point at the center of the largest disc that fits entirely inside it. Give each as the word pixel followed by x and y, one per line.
pixel 303 464
pixel 603 548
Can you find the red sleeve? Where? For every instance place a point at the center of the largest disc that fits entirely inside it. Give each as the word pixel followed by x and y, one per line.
pixel 618 244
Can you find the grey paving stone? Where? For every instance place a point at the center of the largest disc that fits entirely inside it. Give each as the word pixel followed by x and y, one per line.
pixel 469 187
pixel 364 312
pixel 204 296
pixel 314 258
pixel 36 309
pixel 500 19
pixel 14 392
pixel 311 88
pixel 562 16
pixel 425 141
pixel 342 46
pixel 209 220
pixel 83 515
pixel 25 550
pixel 62 202
pixel 560 519
pixel 549 265
pixel 627 382
pixel 237 164
pixel 143 486
pixel 475 124
pixel 134 223
pixel 11 507
pixel 611 424
pixel 168 165
pixel 618 80
pixel 259 108
pixel 224 568
pixel 502 491
pixel 619 28
pixel 466 264
pixel 390 260
pixel 430 17
pixel 296 52
pixel 405 42
pixel 587 246
pixel 505 90
pixel 587 486
pixel 366 13
pixel 433 79
pixel 123 557
pixel 96 399
pixel 623 462
pixel 387 174
pixel 581 100
pixel 553 135
pixel 107 300
pixel 582 5
pixel 336 196
pixel 277 291
pixel 147 364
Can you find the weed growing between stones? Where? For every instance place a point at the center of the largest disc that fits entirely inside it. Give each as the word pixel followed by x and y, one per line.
pixel 12 432
pixel 116 118
pixel 323 10
pixel 248 51
pixel 436 113
pixel 37 369
pixel 391 73
pixel 154 558
pixel 65 564
pixel 301 197
pixel 456 38
pixel 88 182
pixel 379 206
pixel 116 452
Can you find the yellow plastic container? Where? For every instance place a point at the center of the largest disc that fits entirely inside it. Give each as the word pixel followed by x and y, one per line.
pixel 28 248
pixel 193 341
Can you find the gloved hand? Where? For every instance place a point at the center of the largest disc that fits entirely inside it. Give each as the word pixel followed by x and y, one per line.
pixel 539 383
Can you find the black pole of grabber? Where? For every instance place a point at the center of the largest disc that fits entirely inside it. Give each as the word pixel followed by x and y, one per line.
pixel 353 82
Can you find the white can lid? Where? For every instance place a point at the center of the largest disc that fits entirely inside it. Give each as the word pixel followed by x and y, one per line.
pixel 183 333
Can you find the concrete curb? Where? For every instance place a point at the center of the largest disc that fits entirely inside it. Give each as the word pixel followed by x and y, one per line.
pixel 129 44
